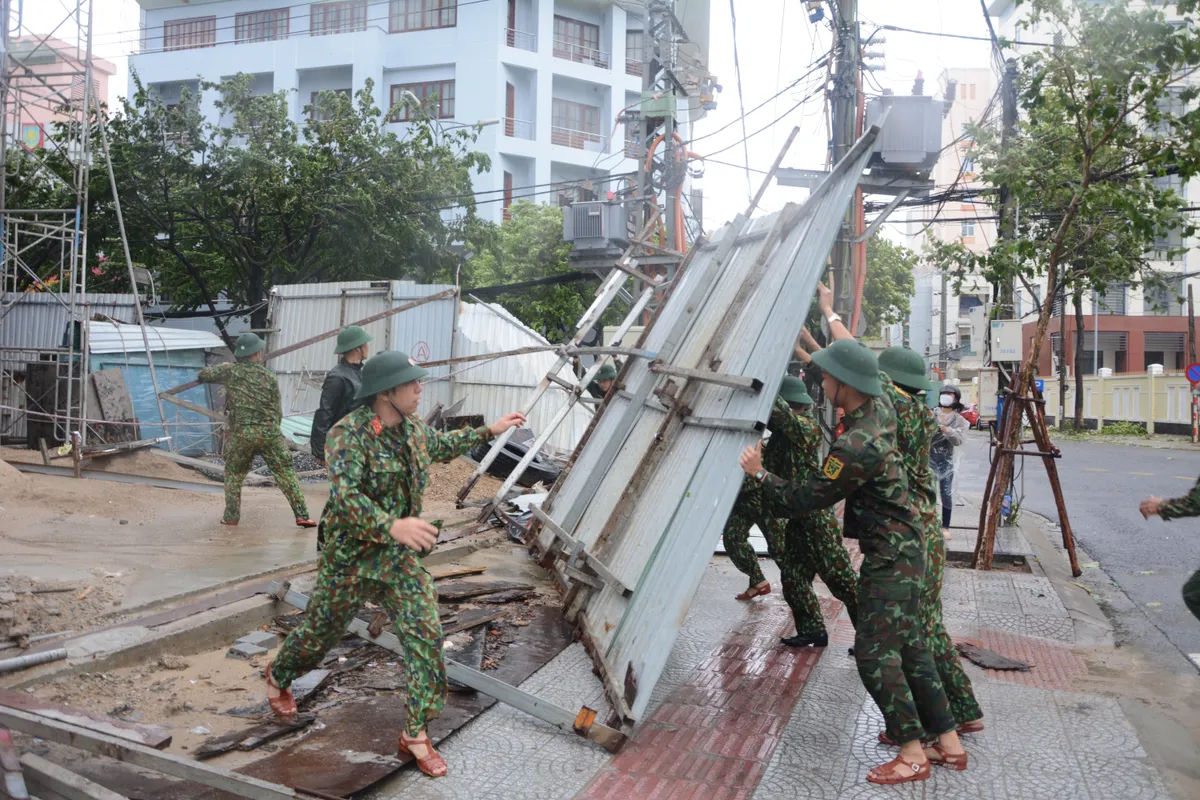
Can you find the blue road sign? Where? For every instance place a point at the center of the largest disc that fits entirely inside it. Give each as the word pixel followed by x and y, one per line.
pixel 1193 373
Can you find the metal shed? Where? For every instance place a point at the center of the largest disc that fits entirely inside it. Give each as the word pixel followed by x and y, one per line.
pixel 301 311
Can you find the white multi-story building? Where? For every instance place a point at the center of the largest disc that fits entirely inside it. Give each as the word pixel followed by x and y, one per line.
pixel 548 77
pixel 975 100
pixel 1136 327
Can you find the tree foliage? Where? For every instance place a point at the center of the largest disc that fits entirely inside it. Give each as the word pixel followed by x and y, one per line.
pixel 1101 126
pixel 252 199
pixel 527 246
pixel 888 286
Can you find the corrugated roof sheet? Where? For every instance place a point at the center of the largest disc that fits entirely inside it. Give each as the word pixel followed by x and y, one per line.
pixel 38 320
pixel 108 337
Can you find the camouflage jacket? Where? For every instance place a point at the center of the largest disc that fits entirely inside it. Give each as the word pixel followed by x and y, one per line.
pixel 1186 506
pixel 337 400
pixel 864 468
pixel 377 476
pixel 784 452
pixel 915 429
pixel 251 393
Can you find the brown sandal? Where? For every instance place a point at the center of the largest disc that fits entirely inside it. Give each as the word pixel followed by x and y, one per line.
pixel 954 761
pixel 757 590
pixel 432 765
pixel 971 727
pixel 899 771
pixel 304 522
pixel 230 523
pixel 284 704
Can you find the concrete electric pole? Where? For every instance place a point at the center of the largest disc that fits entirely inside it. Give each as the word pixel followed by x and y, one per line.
pixel 844 103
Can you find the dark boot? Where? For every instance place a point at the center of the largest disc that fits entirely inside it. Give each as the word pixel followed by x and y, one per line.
pixel 807 640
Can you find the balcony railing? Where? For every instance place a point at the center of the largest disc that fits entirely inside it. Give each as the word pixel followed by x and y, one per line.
pixel 520 39
pixel 634 66
pixel 573 51
pixel 518 128
pixel 580 140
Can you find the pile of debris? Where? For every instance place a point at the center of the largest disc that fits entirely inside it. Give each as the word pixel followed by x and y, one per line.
pixel 34 611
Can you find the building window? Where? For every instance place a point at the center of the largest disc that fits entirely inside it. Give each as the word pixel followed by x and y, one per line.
pixel 324 111
pixel 508 194
pixel 634 52
pixel 184 34
pixel 1113 299
pixel 573 124
pixel 435 95
pixel 565 194
pixel 343 17
pixel 1163 300
pixel 262 26
pixel 968 165
pixel 967 230
pixel 422 15
pixel 578 41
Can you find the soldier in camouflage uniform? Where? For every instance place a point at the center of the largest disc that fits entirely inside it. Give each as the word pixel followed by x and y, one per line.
pixel 338 396
pixel 378 458
pixel 252 402
pixel 1186 506
pixel 903 379
pixel 864 469
pixel 605 378
pixel 803 547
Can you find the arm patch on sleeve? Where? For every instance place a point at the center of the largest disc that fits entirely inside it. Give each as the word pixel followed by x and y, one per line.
pixel 832 468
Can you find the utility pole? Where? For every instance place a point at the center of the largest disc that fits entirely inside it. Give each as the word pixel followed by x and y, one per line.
pixel 1006 300
pixel 844 103
pixel 943 360
pixel 1062 354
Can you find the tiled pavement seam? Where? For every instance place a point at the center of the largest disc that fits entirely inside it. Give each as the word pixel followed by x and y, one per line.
pixel 713 736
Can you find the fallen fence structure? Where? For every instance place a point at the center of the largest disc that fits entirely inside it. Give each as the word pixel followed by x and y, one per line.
pixel 632 522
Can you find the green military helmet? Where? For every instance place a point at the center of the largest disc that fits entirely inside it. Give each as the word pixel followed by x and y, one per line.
pixel 607 373
pixel 351 337
pixel 794 391
pixel 851 363
pixel 387 370
pixel 905 367
pixel 247 345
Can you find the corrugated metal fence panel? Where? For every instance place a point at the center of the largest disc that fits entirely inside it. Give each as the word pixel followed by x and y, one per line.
pixel 301 311
pixel 494 388
pixel 427 334
pixel 674 526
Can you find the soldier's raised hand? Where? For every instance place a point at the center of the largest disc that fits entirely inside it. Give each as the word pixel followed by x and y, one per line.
pixel 1149 506
pixel 414 533
pixel 824 298
pixel 514 420
pixel 751 459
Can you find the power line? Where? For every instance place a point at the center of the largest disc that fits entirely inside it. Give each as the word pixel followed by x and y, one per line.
pixel 737 69
pixel 967 37
pixel 769 125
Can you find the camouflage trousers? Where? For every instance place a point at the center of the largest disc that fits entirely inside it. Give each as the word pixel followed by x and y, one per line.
pixel 802 549
pixel 894 660
pixel 408 596
pixel 241 450
pixel 955 680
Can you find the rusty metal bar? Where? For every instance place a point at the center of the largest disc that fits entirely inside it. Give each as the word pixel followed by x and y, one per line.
pixel 1037 453
pixel 707 376
pixel 559 717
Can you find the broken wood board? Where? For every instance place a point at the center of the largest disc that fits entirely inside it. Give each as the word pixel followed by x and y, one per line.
pixel 457 591
pixel 48 780
pixel 116 406
pixel 455 572
pixel 989 659
pixel 148 735
pixel 357 746
pixel 504 598
pixel 251 738
pixel 471 618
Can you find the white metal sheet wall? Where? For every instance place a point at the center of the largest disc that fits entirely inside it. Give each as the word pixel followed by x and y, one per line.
pixel 301 311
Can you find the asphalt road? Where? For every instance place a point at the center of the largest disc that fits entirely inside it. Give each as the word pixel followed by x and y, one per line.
pixel 1148 559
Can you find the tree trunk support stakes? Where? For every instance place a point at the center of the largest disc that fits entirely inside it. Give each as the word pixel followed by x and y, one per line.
pixel 1017 408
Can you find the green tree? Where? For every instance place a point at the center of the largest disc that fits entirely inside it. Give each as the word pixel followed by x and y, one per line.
pixel 238 205
pixel 888 286
pixel 1102 123
pixel 527 246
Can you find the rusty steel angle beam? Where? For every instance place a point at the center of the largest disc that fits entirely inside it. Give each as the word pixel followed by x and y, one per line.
pixel 519 699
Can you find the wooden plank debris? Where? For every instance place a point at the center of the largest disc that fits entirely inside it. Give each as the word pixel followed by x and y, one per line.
pixel 471 618
pixel 148 735
pixel 251 738
pixel 138 755
pixel 47 779
pixel 457 591
pixel 456 572
pixel 116 405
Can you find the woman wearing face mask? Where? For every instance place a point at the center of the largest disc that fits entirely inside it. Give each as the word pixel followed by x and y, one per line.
pixel 952 432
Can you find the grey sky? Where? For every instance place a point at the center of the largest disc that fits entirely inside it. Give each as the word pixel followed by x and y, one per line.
pixel 776 42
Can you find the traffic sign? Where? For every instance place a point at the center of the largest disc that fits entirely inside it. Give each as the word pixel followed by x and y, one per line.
pixel 1193 373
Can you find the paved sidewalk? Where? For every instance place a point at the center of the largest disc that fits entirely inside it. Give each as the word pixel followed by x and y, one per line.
pixel 737 715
